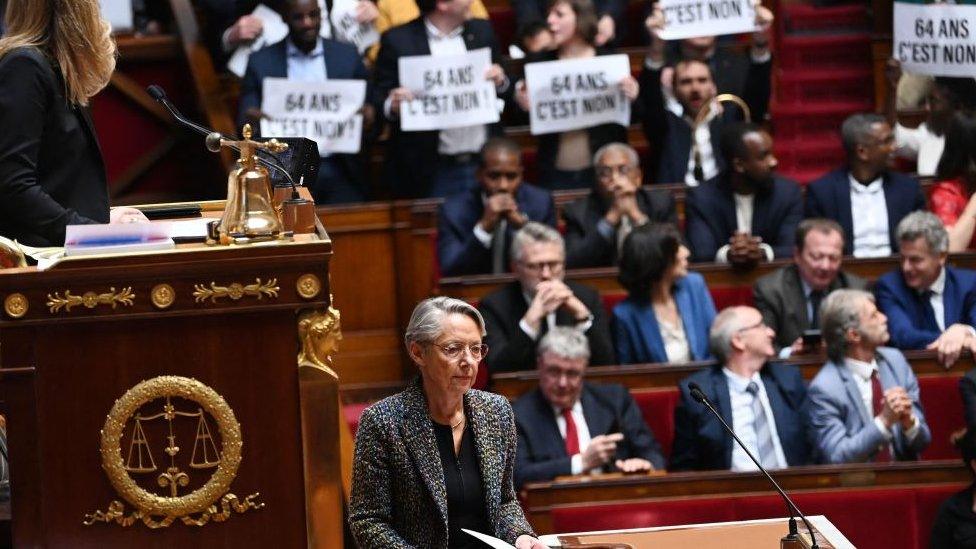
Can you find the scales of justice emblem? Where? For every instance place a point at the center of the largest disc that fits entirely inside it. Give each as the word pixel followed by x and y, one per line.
pixel 167 406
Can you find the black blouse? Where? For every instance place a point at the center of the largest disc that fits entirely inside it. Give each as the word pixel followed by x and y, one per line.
pixel 462 479
pixel 955 525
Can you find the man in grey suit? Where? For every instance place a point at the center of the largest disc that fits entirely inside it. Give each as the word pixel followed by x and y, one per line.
pixel 789 298
pixel 864 403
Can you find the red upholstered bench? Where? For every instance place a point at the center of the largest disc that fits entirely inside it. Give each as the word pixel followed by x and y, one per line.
pixel 352 413
pixel 657 407
pixel 943 412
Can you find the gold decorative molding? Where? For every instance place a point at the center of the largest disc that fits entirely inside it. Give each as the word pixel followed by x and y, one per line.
pixel 320 334
pixel 308 286
pixel 236 291
pixel 162 296
pixel 16 305
pixel 90 300
pixel 140 405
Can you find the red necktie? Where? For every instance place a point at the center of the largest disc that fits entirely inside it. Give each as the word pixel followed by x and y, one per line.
pixel 572 438
pixel 877 397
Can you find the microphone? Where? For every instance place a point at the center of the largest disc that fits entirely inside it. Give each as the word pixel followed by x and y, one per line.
pixel 213 139
pixel 699 396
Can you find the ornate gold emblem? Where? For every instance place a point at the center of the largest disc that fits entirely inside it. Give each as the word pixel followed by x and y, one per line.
pixel 308 286
pixel 320 334
pixel 16 305
pixel 90 300
pixel 159 408
pixel 236 291
pixel 162 296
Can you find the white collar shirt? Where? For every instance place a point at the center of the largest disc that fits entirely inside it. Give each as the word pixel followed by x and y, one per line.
pixel 869 211
pixel 937 299
pixel 744 421
pixel 702 135
pixel 582 433
pixel 306 67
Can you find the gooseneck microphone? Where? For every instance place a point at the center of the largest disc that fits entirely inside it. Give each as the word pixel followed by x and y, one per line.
pixel 213 139
pixel 699 396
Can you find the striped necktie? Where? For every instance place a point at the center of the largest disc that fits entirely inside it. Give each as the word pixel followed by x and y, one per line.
pixel 764 435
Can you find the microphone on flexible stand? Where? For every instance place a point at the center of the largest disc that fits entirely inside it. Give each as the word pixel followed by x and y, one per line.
pixel 793 536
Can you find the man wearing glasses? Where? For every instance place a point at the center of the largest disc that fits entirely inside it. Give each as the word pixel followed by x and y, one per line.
pixel 763 403
pixel 518 314
pixel 475 227
pixel 597 224
pixel 570 427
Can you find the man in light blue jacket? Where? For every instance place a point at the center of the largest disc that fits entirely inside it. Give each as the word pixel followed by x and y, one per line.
pixel 864 403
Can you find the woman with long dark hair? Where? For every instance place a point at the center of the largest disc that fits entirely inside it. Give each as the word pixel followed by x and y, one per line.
pixel 952 197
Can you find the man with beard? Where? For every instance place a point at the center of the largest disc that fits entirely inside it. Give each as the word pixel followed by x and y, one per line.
pixel 880 197
pixel 305 56
pixel 746 214
pixel 864 403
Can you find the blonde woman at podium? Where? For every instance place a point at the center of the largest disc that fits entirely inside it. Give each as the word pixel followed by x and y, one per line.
pixel 54 56
pixel 438 457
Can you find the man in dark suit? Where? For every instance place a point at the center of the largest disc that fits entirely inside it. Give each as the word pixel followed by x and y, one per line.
pixel 685 150
pixel 306 56
pixel 519 313
pixel 789 297
pixel 432 163
pixel 929 304
pixel 762 402
pixel 597 224
pixel 866 185
pixel 569 427
pixel 475 227
pixel 747 214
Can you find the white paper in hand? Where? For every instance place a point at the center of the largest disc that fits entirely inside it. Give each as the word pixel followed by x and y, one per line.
pixel 349 30
pixel 489 540
pixel 274 29
pixel 693 18
pixel 119 14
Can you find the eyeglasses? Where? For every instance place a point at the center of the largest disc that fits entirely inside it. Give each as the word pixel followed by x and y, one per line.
pixel 760 324
pixel 606 172
pixel 539 266
pixel 455 349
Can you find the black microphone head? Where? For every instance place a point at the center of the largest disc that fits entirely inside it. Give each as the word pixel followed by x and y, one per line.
pixel 156 92
pixel 213 141
pixel 696 392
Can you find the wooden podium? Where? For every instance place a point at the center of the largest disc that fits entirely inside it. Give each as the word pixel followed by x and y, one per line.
pixel 174 399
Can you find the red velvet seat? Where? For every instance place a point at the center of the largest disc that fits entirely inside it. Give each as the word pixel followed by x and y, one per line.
pixel 943 412
pixel 657 407
pixel 352 413
pixel 585 518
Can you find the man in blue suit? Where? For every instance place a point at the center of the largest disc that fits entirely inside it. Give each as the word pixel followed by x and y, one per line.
pixel 763 403
pixel 475 227
pixel 929 304
pixel 866 185
pixel 306 56
pixel 864 403
pixel 569 427
pixel 747 213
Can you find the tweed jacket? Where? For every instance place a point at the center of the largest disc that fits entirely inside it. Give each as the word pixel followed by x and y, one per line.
pixel 398 494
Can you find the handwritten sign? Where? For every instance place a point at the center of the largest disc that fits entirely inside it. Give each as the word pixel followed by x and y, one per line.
pixel 936 39
pixel 692 18
pixel 347 29
pixel 451 91
pixel 325 112
pixel 577 93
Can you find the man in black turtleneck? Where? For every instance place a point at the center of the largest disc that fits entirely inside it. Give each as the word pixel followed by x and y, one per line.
pixel 746 214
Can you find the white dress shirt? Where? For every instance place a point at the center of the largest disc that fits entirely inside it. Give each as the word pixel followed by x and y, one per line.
pixel 306 67
pixel 744 422
pixel 869 214
pixel 862 372
pixel 582 433
pixel 937 299
pixel 550 321
pixel 675 341
pixel 920 145
pixel 745 205
pixel 702 135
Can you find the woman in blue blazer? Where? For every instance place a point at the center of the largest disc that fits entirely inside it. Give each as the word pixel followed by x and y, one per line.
pixel 668 310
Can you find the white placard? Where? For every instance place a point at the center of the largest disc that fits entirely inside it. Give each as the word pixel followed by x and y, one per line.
pixel 936 39
pixel 692 18
pixel 325 112
pixel 119 14
pixel 577 93
pixel 274 29
pixel 451 91
pixel 347 29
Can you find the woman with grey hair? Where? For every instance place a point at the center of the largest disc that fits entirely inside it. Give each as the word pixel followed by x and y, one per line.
pixel 439 456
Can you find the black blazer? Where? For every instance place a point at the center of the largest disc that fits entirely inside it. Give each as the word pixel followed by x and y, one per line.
pixel 670 135
pixel 701 443
pixel 459 252
pixel 541 453
pixel 830 196
pixel 585 246
pixel 710 217
pixel 411 157
pixel 51 170
pixel 512 350
pixel 779 297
